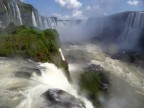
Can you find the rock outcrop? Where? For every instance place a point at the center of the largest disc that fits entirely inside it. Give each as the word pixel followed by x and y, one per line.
pixel 60 99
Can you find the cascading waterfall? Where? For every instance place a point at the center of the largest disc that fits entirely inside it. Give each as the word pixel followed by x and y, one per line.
pixel 26 92
pixel 18 15
pixel 63 58
pixel 45 23
pixel 34 20
pixel 133 28
pixel 51 23
pixel 5 7
pixel 40 22
pixel 14 12
pixel 51 78
pixel 6 10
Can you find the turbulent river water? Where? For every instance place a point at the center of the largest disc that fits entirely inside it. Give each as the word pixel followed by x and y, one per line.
pixel 127 89
pixel 21 82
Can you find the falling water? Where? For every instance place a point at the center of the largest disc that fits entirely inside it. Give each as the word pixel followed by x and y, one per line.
pixel 5 7
pixel 34 20
pixel 25 92
pixel 14 12
pixel 40 22
pixel 133 28
pixel 45 23
pixel 18 14
pixel 63 58
pixel 6 10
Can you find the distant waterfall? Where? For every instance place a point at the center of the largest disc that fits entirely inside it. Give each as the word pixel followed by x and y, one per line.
pixel 51 22
pixel 131 35
pixel 14 12
pixel 18 14
pixel 5 7
pixel 46 23
pixel 40 22
pixel 34 20
pixel 6 10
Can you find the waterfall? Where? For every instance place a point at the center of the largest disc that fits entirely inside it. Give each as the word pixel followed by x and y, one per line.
pixel 63 58
pixel 45 23
pixel 34 20
pixel 51 23
pixel 18 14
pixel 40 22
pixel 6 12
pixel 14 12
pixel 5 7
pixel 27 92
pixel 131 34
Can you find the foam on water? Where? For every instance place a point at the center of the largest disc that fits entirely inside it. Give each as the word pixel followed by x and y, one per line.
pixel 27 93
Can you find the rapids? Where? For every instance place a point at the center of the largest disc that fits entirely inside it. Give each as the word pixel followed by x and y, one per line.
pixel 127 80
pixel 23 81
pixel 26 92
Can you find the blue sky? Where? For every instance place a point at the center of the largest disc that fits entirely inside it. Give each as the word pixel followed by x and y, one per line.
pixel 84 8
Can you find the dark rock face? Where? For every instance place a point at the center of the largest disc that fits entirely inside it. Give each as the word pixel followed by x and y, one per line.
pixel 130 57
pixel 60 99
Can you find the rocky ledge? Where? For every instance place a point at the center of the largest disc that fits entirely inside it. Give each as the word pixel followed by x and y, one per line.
pixel 60 99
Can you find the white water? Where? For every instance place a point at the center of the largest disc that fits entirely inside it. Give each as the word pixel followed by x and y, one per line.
pixel 131 33
pixel 40 22
pixel 19 15
pixel 14 12
pixel 26 93
pixel 128 72
pixel 34 20
pixel 5 7
pixel 63 58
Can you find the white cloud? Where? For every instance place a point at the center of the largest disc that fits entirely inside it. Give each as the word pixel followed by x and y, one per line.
pixel 134 2
pixel 78 14
pixel 88 7
pixel 69 4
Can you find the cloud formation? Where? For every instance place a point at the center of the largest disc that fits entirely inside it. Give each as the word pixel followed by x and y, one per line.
pixel 69 4
pixel 135 2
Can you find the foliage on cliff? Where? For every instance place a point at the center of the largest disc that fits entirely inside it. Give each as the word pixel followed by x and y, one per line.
pixel 29 43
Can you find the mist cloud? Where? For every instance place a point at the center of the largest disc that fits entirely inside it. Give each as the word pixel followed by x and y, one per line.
pixel 69 4
pixel 135 2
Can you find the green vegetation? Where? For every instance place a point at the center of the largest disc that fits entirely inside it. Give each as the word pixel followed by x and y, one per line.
pixel 93 82
pixel 29 43
pixel 89 82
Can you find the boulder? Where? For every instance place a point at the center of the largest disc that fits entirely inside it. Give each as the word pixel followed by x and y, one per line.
pixel 60 99
pixel 99 71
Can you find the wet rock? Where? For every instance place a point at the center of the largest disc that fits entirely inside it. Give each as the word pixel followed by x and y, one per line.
pixel 104 81
pixel 130 57
pixel 23 74
pixel 60 99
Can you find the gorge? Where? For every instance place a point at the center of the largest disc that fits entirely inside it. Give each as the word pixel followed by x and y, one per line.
pixel 46 62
